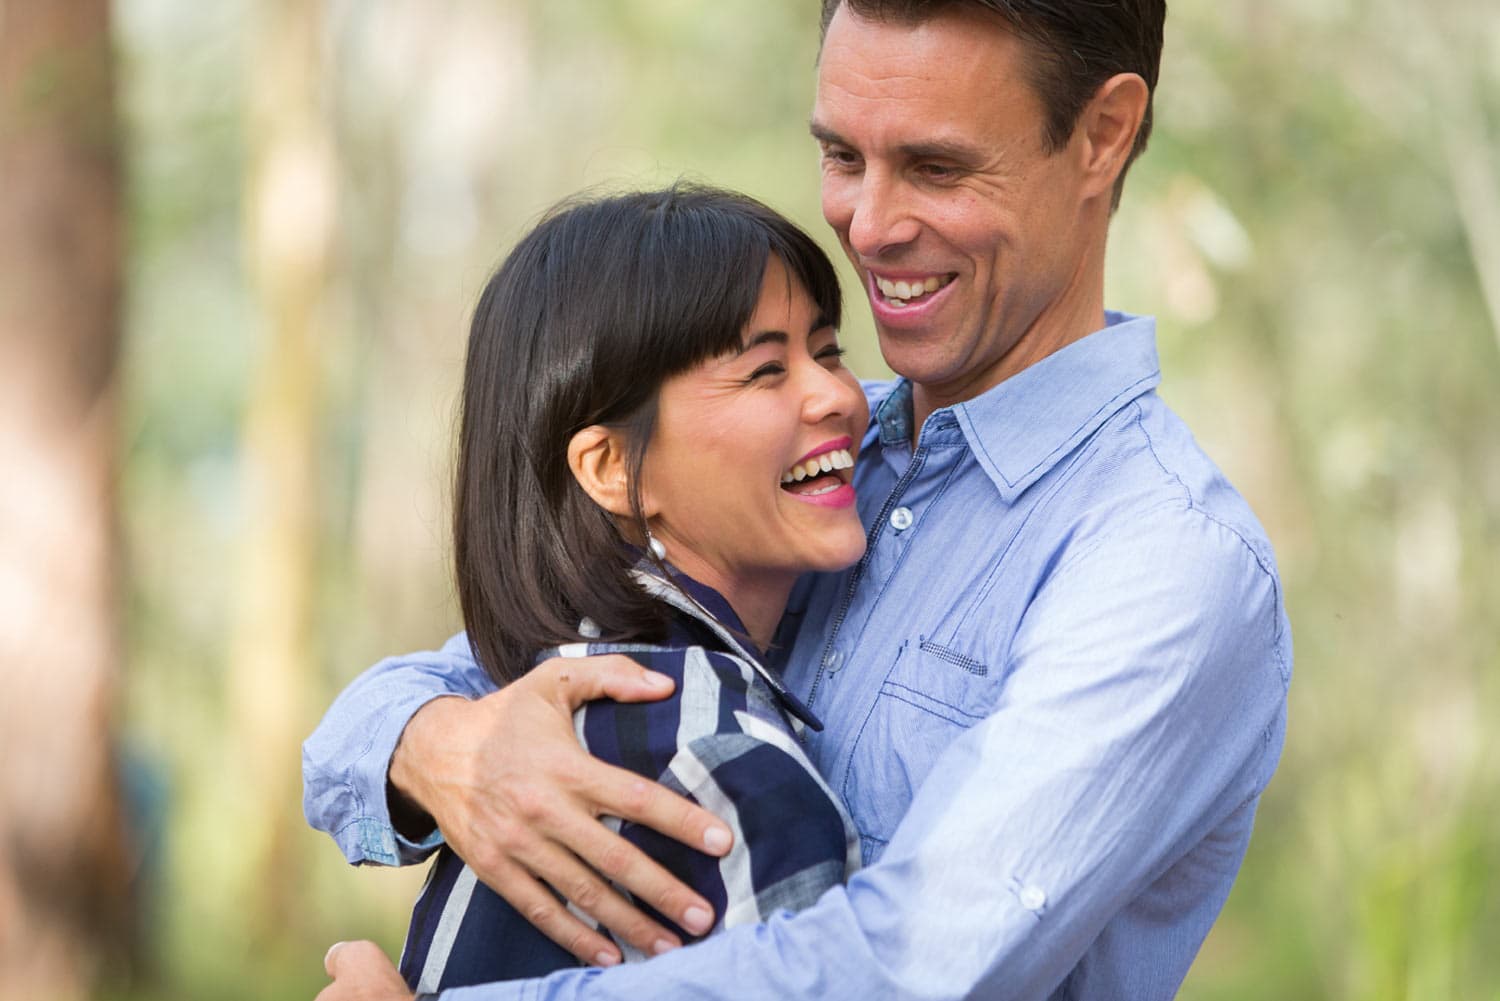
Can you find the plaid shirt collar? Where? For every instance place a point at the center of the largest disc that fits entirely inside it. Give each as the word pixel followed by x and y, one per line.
pixel 699 606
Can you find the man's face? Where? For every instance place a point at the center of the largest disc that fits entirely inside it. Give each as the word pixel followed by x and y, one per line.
pixel 970 237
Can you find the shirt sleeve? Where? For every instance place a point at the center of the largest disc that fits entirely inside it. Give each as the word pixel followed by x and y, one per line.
pixel 345 761
pixel 1142 710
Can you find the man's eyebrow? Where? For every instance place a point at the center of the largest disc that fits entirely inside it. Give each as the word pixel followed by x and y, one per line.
pixel 942 149
pixel 824 134
pixel 931 149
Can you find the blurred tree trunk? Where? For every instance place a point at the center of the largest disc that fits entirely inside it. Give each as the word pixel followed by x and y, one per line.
pixel 290 215
pixel 64 850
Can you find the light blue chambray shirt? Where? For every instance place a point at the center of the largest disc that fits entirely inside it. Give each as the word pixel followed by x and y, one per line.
pixel 1054 690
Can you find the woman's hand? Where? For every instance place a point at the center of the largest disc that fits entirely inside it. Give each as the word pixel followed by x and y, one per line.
pixel 361 972
pixel 519 799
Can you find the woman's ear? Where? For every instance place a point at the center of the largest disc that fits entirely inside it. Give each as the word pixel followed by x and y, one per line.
pixel 597 457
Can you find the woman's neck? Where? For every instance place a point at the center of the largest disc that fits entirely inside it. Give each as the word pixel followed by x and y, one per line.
pixel 758 601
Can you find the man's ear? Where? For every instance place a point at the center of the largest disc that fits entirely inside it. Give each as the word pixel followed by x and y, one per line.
pixel 597 457
pixel 1108 126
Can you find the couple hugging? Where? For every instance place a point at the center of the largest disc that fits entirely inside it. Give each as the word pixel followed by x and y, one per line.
pixel 961 685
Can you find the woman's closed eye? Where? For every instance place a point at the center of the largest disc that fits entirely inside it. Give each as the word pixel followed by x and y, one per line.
pixel 769 370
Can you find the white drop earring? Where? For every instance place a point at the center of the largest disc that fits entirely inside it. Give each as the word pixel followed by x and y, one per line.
pixel 657 549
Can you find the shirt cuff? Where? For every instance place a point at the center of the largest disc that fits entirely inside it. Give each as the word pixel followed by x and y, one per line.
pixel 371 837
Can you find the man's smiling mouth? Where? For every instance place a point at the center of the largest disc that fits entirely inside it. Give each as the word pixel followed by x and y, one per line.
pixel 905 292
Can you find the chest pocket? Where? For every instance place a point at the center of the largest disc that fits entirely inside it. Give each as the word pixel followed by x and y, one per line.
pixel 931 695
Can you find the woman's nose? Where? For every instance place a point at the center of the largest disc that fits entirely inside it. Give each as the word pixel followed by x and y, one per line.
pixel 830 394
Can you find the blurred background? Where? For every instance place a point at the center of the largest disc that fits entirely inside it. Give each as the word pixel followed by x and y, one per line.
pixel 239 242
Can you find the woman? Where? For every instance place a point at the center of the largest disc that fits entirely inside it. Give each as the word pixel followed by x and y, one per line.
pixel 657 440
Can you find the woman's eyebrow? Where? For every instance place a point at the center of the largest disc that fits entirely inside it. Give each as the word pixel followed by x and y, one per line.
pixel 765 337
pixel 820 322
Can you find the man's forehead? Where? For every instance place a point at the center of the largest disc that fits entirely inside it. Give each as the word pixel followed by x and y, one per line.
pixel 935 81
pixel 952 48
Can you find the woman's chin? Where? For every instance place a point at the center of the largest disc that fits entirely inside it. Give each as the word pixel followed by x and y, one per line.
pixel 839 555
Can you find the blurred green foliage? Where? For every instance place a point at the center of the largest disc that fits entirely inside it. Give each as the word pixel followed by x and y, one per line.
pixel 1299 226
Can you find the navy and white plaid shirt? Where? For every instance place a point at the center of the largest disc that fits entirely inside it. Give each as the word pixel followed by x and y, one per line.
pixel 726 739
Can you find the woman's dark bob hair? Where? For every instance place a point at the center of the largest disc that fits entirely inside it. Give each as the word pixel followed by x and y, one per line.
pixel 592 311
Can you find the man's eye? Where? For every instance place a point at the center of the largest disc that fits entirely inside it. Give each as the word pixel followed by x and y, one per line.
pixel 937 171
pixel 840 158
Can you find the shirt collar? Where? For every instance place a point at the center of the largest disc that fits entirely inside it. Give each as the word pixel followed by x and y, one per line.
pixel 709 607
pixel 1021 428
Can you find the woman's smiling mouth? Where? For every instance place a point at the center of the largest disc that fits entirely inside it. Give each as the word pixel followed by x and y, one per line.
pixel 822 478
pixel 832 461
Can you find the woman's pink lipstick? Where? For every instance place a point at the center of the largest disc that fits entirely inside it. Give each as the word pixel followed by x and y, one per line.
pixel 839 497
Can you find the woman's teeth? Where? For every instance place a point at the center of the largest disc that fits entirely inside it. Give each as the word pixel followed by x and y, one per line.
pixel 839 458
pixel 825 489
pixel 903 292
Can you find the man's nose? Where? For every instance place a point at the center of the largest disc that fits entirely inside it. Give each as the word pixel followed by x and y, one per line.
pixel 882 219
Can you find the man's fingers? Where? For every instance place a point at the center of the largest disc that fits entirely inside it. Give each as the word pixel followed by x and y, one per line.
pixel 622 793
pixel 612 676
pixel 591 894
pixel 361 972
pixel 343 957
pixel 547 914
pixel 625 864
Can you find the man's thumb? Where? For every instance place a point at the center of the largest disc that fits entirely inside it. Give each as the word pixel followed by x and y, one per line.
pixel 612 676
pixel 328 957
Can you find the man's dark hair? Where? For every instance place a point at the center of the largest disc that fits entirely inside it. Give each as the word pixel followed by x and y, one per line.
pixel 586 318
pixel 1074 47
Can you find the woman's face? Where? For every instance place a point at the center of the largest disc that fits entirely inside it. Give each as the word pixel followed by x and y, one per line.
pixel 726 478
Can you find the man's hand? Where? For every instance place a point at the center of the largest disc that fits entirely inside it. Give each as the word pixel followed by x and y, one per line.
pixel 519 799
pixel 361 972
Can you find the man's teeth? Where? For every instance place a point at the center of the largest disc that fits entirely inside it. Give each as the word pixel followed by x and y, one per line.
pixel 906 291
pixel 826 463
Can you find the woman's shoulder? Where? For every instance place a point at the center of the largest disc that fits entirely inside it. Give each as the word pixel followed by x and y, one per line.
pixel 715 695
pixel 672 659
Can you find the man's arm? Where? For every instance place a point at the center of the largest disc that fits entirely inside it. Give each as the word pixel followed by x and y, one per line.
pixel 510 788
pixel 1142 712
pixel 345 761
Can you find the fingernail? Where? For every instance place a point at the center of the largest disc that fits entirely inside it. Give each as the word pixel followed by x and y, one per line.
pixel 697 920
pixel 329 954
pixel 605 958
pixel 655 679
pixel 716 840
pixel 662 945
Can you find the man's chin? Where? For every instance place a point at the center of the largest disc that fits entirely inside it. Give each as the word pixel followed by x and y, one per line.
pixel 914 354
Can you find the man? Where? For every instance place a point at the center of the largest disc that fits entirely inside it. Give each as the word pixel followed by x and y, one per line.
pixel 1054 688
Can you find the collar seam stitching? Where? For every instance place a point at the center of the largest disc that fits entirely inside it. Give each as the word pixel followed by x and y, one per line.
pixel 1129 394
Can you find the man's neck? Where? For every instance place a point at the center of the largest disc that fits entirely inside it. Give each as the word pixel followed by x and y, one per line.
pixel 1076 311
pixel 1028 351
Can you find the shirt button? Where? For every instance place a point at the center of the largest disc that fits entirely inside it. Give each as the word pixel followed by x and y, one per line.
pixel 901 519
pixel 833 660
pixel 1033 897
